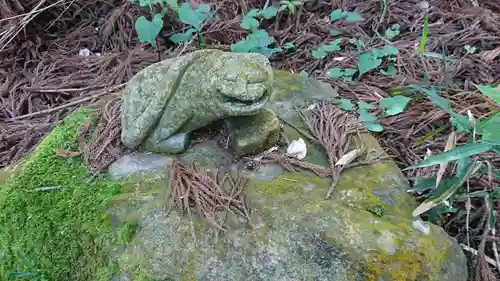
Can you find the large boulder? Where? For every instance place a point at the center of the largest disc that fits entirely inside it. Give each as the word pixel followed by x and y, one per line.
pixel 60 223
pixel 365 231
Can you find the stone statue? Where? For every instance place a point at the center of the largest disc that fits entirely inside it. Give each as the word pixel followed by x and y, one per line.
pixel 166 101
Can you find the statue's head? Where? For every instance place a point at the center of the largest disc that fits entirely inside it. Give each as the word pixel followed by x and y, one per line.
pixel 244 83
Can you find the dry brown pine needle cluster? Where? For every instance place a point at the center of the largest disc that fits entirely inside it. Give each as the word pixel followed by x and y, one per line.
pixel 194 188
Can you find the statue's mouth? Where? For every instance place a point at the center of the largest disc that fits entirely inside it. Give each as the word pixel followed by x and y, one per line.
pixel 240 106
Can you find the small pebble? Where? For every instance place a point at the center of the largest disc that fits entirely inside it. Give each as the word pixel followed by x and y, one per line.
pixel 420 226
pixel 424 5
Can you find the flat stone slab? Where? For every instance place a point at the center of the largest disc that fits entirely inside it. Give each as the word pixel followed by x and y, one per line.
pixel 137 163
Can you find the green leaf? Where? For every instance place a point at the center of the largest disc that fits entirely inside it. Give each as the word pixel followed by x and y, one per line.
pixel 490 92
pixel 249 23
pixel 268 13
pixel 354 17
pixel 324 48
pixel 346 74
pixel 350 71
pixel 349 16
pixel 256 42
pixel 148 30
pixel 394 105
pixel 336 14
pixel 365 116
pixel 253 13
pixel 334 46
pixel 173 4
pixel 391 70
pixel 461 122
pixel 453 154
pixel 289 45
pixel 425 32
pixel 204 10
pixel 364 105
pixel 334 32
pixel 491 217
pixel 424 184
pixel 436 98
pixel 470 49
pixel 183 37
pixel 389 50
pixel 304 74
pixel 346 104
pixel 373 126
pixel 148 3
pixel 445 190
pixel 392 32
pixel 491 129
pixel 357 42
pixel 192 17
pixel 367 62
pixel 335 72
pixel 318 54
pixel 432 133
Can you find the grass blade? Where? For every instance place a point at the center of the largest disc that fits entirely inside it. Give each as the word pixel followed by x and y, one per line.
pixel 456 153
pixel 448 189
pixel 425 31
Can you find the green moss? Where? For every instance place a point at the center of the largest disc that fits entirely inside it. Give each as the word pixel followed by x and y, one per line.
pixel 127 231
pixel 287 81
pixel 376 209
pixel 65 232
pixel 415 254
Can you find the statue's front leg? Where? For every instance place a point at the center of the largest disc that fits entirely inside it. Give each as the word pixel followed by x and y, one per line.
pixel 253 134
pixel 168 136
pixel 174 144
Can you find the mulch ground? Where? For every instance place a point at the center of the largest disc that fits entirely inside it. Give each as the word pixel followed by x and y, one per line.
pixel 43 77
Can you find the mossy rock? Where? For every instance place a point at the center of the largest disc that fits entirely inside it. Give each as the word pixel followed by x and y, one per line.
pixel 364 232
pixel 120 230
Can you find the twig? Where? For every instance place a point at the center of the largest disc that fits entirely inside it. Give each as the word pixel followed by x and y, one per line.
pixel 474 252
pixel 82 100
pixel 61 90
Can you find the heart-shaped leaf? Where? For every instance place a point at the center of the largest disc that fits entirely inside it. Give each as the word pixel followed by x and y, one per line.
pixel 336 14
pixel 268 13
pixel 367 62
pixel 249 23
pixel 391 70
pixel 373 126
pixel 354 17
pixel 193 17
pixel 394 105
pixel 148 30
pixel 183 37
pixel 335 72
pixel 346 104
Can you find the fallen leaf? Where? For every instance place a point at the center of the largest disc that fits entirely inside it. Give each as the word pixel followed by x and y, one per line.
pixel 348 157
pixel 452 140
pixel 297 148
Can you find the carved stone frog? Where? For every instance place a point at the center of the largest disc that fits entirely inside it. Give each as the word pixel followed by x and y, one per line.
pixel 166 101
